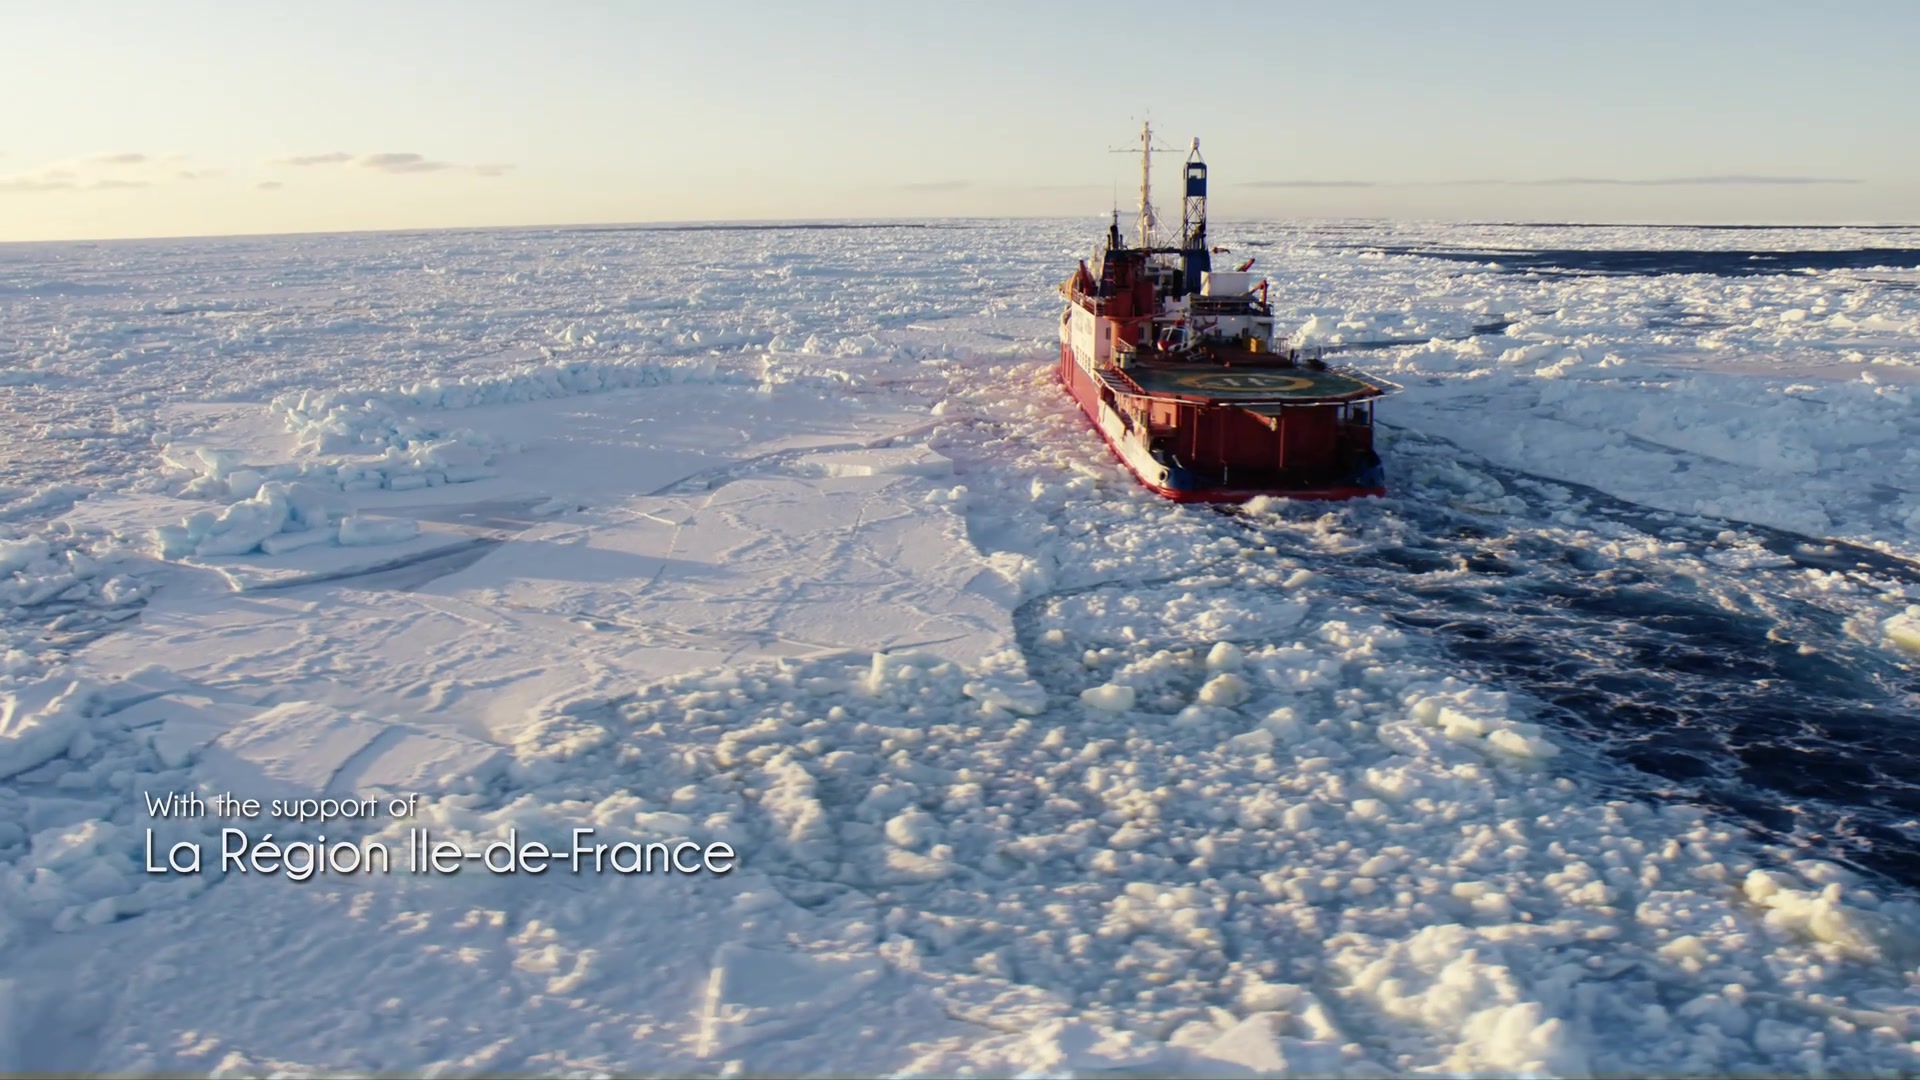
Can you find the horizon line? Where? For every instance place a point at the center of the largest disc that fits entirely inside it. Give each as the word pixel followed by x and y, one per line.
pixel 719 224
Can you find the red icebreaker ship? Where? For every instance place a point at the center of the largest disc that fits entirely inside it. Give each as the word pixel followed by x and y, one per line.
pixel 1175 364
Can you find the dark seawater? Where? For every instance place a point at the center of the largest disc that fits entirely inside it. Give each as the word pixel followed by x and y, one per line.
pixel 1715 685
pixel 1688 228
pixel 790 226
pixel 1577 261
pixel 1729 685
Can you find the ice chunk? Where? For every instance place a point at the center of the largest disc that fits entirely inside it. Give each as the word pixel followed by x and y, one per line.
pixel 1257 741
pixel 1261 1043
pixel 218 464
pixel 1225 656
pixel 244 482
pixel 447 452
pixel 1027 697
pixel 19 554
pixel 241 527
pixel 1823 917
pixel 1317 328
pixel 309 507
pixel 1515 742
pixel 896 668
pixel 1108 698
pixel 172 541
pixel 1903 631
pixel 272 507
pixel 1061 1047
pixel 39 721
pixel 912 829
pixel 1224 690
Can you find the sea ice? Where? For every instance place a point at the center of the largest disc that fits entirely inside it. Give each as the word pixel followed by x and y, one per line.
pixel 837 563
pixel 364 531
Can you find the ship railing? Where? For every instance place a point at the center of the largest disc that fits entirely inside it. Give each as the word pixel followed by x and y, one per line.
pixel 1121 382
pixel 1387 386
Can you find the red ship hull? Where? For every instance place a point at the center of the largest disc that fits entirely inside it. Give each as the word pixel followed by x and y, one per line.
pixel 1085 396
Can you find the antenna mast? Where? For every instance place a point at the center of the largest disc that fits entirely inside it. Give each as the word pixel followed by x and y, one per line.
pixel 1146 184
pixel 1147 150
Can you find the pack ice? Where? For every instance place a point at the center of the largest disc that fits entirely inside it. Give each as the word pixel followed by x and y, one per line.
pixel 784 539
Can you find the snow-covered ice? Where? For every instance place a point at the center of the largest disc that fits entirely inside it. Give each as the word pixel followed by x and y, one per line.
pixel 1589 752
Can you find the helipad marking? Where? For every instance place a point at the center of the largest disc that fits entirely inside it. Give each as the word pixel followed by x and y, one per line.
pixel 1245 380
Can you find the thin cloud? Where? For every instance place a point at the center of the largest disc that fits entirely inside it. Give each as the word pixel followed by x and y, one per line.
pixel 1055 187
pixel 44 180
pixel 1308 183
pixel 935 187
pixel 393 162
pixel 402 163
pixel 1731 180
pixel 269 185
pixel 1687 181
pixel 63 178
pixel 50 182
pixel 34 183
pixel 335 158
pixel 107 172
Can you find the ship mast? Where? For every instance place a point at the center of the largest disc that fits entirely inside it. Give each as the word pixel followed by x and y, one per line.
pixel 1146 184
pixel 1147 150
pixel 1193 213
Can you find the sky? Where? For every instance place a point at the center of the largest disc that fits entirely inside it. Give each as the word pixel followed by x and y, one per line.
pixel 206 117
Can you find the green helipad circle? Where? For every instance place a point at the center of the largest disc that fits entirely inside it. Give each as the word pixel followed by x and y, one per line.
pixel 1258 382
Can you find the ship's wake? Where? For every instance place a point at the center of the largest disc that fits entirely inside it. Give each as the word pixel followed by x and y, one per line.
pixel 1729 665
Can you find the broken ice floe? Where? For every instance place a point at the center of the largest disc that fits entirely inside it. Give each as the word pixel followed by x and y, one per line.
pixel 278 518
pixel 458 459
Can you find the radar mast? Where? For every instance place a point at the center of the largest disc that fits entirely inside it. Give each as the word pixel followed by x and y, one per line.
pixel 1193 213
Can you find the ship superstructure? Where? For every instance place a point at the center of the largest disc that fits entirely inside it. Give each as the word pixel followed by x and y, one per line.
pixel 1176 365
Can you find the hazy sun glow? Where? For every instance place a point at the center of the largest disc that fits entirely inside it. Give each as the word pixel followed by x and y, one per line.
pixel 135 119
